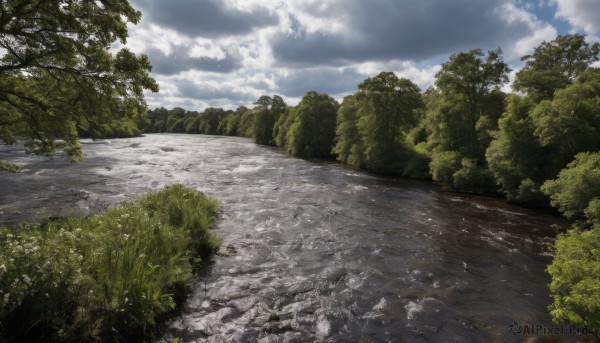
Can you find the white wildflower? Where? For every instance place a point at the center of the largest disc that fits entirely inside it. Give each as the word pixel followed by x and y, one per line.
pixel 2 269
pixel 26 280
pixel 6 298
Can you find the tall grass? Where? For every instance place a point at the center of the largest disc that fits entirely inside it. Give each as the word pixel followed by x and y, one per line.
pixel 109 277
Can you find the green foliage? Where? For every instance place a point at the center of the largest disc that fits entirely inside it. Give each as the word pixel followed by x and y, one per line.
pixel 555 65
pixel 515 157
pixel 58 76
pixel 373 124
pixel 262 127
pixel 472 177
pixel 178 120
pixel 191 124
pixel 9 167
pixel 312 131
pixel 535 142
pixel 209 120
pixel 592 212
pixel 468 89
pixel 232 121
pixel 576 191
pixel 282 126
pixel 266 114
pixel 462 114
pixel 388 110
pixel 570 122
pixel 108 277
pixel 349 147
pixel 443 165
pixel 121 128
pixel 575 285
pixel 416 162
pixel 188 210
pixel 246 123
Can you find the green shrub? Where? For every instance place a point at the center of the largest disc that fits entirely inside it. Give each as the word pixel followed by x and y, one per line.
pixel 576 186
pixel 9 167
pixel 443 165
pixel 575 283
pixel 108 277
pixel 529 193
pixel 473 178
pixel 187 209
pixel 416 162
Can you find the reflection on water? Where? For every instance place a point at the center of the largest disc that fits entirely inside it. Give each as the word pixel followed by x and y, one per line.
pixel 312 250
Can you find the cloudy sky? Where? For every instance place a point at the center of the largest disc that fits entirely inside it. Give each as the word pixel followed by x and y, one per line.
pixel 226 53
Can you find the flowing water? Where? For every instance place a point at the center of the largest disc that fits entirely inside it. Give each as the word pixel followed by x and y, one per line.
pixel 313 251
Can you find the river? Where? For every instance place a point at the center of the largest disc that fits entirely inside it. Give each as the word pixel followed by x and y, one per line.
pixel 314 251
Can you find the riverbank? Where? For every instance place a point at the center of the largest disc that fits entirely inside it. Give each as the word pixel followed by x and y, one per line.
pixel 109 277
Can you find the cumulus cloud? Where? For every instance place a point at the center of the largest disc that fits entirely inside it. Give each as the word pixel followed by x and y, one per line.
pixel 229 52
pixel 583 14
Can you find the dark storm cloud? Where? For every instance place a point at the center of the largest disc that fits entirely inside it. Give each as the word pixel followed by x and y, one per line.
pixel 323 80
pixel 399 29
pixel 179 60
pixel 206 18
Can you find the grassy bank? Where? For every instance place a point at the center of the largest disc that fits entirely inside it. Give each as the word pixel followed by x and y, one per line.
pixel 108 277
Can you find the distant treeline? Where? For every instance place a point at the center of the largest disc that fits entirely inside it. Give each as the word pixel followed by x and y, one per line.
pixel 464 131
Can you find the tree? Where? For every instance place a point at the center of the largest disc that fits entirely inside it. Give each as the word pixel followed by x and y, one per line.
pixel 58 74
pixel 373 127
pixel 349 147
pixel 313 130
pixel 576 190
pixel 515 157
pixel 462 113
pixel 245 124
pixel 575 286
pixel 388 108
pixel 468 80
pixel 191 123
pixel 541 132
pixel 535 142
pixel 267 113
pixel 282 126
pixel 232 121
pixel 209 120
pixel 555 65
pixel 570 122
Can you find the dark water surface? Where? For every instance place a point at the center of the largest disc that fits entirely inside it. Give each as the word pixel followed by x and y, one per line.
pixel 313 251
